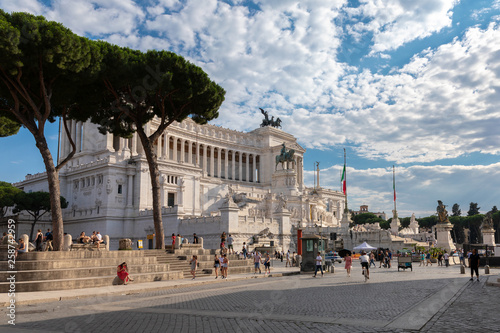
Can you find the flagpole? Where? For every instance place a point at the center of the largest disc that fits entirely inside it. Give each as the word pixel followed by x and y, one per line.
pixel 345 180
pixel 394 186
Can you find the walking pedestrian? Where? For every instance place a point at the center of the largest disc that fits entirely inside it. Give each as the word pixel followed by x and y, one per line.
pixel 422 259
pixel 39 240
pixel 244 250
pixel 440 259
pixel 267 264
pixel 216 265
pixel 446 257
pixel 194 265
pixel 372 260
pixel 348 263
pixel 428 258
pixel 319 266
pixel 474 264
pixel 257 261
pixel 225 266
pixel 288 263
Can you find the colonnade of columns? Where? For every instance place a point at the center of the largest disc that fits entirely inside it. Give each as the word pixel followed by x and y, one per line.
pixel 215 161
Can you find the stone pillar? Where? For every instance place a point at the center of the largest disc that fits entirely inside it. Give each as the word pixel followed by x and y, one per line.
pixel 226 164
pixel 130 187
pixel 78 133
pixel 67 242
pixel 174 151
pixel 134 144
pixel 212 161
pixel 233 166
pixel 219 162
pixel 240 166
pixel 183 153
pixel 444 237
pixel 26 240
pixel 200 242
pixel 166 146
pixel 229 216
pixel 489 237
pixel 283 216
pixel 178 242
pixel 247 166
pixel 254 163
pixel 190 152
pixel 205 169
pixel 158 148
pixel 105 238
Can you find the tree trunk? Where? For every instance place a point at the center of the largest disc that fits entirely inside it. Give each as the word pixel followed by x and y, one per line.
pixel 154 173
pixel 54 191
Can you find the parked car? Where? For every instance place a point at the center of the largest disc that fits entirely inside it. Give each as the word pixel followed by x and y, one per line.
pixel 334 257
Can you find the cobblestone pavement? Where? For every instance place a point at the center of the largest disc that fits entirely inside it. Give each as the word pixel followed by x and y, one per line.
pixel 429 299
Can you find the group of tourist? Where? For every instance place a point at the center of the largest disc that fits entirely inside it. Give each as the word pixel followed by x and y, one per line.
pixel 95 238
pixel 220 263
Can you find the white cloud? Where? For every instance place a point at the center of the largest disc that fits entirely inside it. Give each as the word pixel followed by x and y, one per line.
pixel 396 22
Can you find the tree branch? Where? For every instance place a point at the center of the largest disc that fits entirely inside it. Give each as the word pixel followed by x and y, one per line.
pixel 73 145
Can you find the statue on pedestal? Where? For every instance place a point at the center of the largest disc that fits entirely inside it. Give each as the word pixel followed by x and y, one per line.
pixel 487 222
pixel 442 213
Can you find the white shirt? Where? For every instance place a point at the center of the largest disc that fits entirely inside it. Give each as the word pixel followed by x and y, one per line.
pixel 364 258
pixel 446 256
pixel 318 260
pixel 99 237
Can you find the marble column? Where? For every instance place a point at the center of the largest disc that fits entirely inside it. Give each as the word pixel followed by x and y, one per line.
pixel 226 164
pixel 78 135
pixel 240 178
pixel 254 168
pixel 247 166
pixel 183 152
pixel 190 152
pixel 174 153
pixel 134 144
pixel 212 161
pixel 233 165
pixel 219 160
pixel 130 187
pixel 165 146
pixel 205 169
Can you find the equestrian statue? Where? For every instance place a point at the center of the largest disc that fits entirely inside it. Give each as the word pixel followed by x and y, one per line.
pixel 285 156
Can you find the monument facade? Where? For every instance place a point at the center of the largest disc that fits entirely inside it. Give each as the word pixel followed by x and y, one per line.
pixel 213 179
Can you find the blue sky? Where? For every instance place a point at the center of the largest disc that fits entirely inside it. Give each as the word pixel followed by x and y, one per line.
pixel 415 84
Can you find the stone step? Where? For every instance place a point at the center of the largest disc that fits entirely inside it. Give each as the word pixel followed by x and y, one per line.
pixel 76 263
pixel 87 282
pixel 65 255
pixel 69 273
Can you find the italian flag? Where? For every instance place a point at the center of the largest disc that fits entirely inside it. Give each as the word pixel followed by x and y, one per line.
pixel 343 181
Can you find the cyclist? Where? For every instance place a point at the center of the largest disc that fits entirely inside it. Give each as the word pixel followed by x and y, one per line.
pixel 365 261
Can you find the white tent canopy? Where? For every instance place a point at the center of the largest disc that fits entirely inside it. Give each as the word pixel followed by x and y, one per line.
pixel 364 246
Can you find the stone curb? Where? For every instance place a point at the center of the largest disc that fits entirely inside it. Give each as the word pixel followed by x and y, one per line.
pixel 136 289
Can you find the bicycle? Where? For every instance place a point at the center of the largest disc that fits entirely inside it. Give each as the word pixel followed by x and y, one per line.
pixel 365 270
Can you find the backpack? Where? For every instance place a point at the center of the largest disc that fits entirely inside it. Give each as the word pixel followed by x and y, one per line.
pixel 50 237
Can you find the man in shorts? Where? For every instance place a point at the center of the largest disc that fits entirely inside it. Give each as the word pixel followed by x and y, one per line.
pixel 257 261
pixel 230 244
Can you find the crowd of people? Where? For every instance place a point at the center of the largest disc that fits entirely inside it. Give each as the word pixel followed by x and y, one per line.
pixel 95 238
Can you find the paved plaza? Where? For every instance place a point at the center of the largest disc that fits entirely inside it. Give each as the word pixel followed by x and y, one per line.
pixel 429 299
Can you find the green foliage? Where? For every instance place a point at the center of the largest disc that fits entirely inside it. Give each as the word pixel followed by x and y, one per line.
pixel 7 195
pixel 456 210
pixel 138 86
pixel 473 209
pixel 405 222
pixel 494 209
pixel 385 224
pixel 427 222
pixel 8 124
pixel 36 204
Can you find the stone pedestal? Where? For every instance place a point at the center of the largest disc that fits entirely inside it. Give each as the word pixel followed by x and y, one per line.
pixel 105 238
pixel 344 223
pixel 125 244
pixel 444 237
pixel 489 237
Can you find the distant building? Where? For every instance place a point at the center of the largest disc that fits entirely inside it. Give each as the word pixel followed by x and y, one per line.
pixel 364 209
